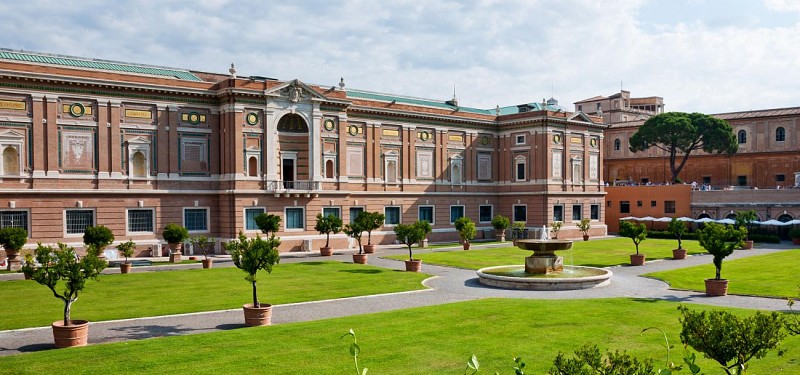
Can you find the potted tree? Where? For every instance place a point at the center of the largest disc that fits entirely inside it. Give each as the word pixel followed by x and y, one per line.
pixel 500 224
pixel 13 239
pixel 637 233
pixel 409 234
pixel 554 228
pixel 517 231
pixel 719 240
pixel 175 234
pixel 466 230
pixel 65 273
pixel 794 234
pixel 677 228
pixel 327 225
pixel 584 227
pixel 743 221
pixel 355 230
pixel 371 221
pixel 250 256
pixel 97 238
pixel 202 243
pixel 426 227
pixel 126 250
pixel 28 272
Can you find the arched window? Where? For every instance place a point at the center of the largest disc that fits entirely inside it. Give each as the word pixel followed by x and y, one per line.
pixel 742 136
pixel 11 161
pixel 785 218
pixel 139 164
pixel 292 123
pixel 780 134
pixel 617 144
pixel 731 216
pixel 703 216
pixel 252 166
pixel 329 169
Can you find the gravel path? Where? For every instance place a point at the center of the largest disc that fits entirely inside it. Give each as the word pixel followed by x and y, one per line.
pixel 447 285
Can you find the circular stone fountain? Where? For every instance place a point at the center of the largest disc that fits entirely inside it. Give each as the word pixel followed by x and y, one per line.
pixel 544 270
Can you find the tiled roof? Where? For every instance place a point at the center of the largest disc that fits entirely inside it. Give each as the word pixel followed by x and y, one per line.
pixel 759 113
pixel 96 64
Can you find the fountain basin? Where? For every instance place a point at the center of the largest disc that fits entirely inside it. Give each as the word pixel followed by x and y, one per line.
pixel 572 278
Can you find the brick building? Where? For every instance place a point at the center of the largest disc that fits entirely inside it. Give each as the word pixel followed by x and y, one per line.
pixel 134 147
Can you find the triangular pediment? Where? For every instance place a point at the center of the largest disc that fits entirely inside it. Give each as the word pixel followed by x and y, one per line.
pixel 296 91
pixel 11 135
pixel 580 117
pixel 138 140
pixel 253 148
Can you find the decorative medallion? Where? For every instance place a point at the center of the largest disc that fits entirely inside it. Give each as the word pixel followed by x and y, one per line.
pixel 424 135
pixel 77 110
pixel 484 141
pixel 593 142
pixel 556 138
pixel 194 118
pixel 353 130
pixel 252 119
pixel 328 125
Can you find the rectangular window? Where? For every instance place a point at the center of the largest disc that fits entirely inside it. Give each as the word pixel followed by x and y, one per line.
pixel 140 220
pixel 354 212
pixel 520 172
pixel 519 139
pixel 609 204
pixel 741 180
pixel 250 217
pixel 638 203
pixel 558 213
pixel 456 212
pixel 652 203
pixel 195 219
pixel 577 212
pixel 78 220
pixel 425 213
pixel 780 178
pixel 392 215
pixel 335 211
pixel 520 213
pixel 624 207
pixel 295 219
pixel 669 207
pixel 706 179
pixel 485 213
pixel 15 219
pixel 594 212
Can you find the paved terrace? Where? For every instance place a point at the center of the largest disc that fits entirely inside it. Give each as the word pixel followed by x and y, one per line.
pixel 445 286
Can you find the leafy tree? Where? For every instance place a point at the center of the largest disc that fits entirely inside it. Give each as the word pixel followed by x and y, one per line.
pixel 720 241
pixel 678 134
pixel 97 238
pixel 355 230
pixel 466 229
pixel 327 225
pixel 269 224
pixel 636 232
pixel 409 234
pixel 370 221
pixel 202 243
pixel 251 255
pixel 13 238
pixel 126 249
pixel 501 222
pixel 677 228
pixel 730 340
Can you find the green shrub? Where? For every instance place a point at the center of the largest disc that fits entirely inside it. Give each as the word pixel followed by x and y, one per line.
pixel 13 238
pixel 500 222
pixel 175 234
pixel 251 255
pixel 765 238
pixel 794 233
pixel 97 238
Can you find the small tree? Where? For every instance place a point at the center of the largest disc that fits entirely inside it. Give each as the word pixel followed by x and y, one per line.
pixel 518 230
pixel 13 238
pixel 269 224
pixel 467 229
pixel 371 221
pixel 126 249
pixel 355 231
pixel 554 228
pixel 202 243
pixel 730 340
pixel 62 267
pixel 409 234
pixel 677 228
pixel 175 233
pixel 327 225
pixel 584 227
pixel 720 241
pixel 636 232
pixel 501 222
pixel 252 255
pixel 743 221
pixel 97 238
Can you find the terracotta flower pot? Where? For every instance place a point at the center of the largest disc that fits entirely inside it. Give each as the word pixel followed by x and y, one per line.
pixel 678 254
pixel 747 245
pixel 413 265
pixel 500 234
pixel 208 263
pixel 369 249
pixel 466 245
pixel 326 251
pixel 76 334
pixel 125 267
pixel 795 241
pixel 27 275
pixel 637 259
pixel 360 258
pixel 257 316
pixel 715 288
pixel 586 237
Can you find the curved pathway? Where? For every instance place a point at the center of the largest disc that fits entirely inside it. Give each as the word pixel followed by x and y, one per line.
pixel 446 286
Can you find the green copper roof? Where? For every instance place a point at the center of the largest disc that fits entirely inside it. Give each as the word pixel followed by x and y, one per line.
pixel 97 64
pixel 509 110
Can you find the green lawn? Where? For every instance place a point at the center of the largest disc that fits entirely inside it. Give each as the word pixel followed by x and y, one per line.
pixel 173 292
pixel 429 340
pixel 773 275
pixel 596 253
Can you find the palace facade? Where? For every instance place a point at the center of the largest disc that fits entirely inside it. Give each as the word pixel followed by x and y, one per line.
pixel 134 147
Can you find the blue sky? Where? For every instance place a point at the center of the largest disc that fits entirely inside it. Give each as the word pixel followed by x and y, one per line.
pixel 700 55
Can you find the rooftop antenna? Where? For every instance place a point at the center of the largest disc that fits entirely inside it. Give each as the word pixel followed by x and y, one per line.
pixel 620 85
